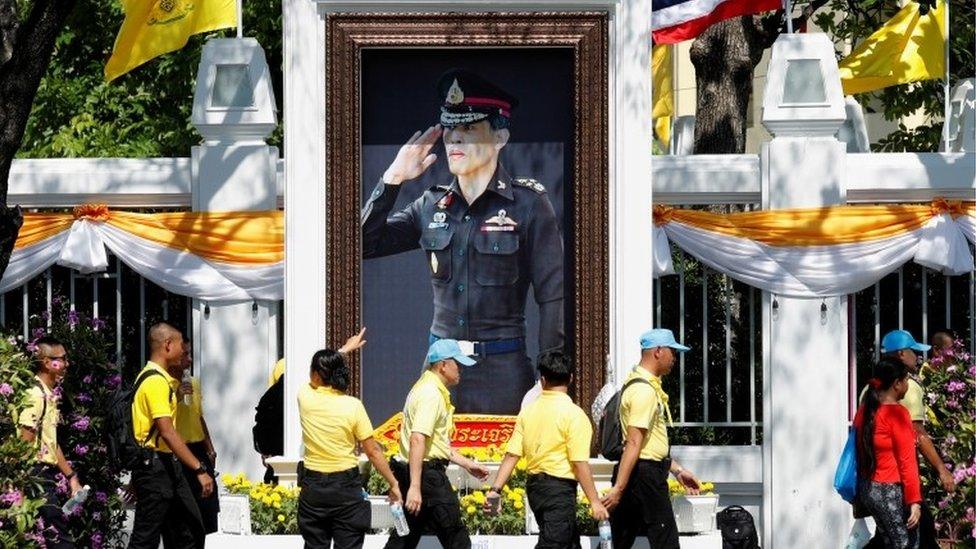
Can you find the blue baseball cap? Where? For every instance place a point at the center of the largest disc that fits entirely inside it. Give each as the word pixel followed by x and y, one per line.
pixel 897 340
pixel 660 337
pixel 443 349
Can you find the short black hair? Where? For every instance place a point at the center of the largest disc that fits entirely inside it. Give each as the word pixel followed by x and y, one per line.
pixel 44 341
pixel 331 368
pixel 556 366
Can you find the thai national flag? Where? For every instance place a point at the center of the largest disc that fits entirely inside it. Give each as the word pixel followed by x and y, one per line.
pixel 674 21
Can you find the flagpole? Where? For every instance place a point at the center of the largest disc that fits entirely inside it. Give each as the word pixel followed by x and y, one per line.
pixel 789 16
pixel 240 18
pixel 945 84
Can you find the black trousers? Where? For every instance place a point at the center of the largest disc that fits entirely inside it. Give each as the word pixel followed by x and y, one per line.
pixel 495 385
pixel 645 508
pixel 331 509
pixel 440 510
pixel 51 510
pixel 164 507
pixel 209 506
pixel 553 501
pixel 926 533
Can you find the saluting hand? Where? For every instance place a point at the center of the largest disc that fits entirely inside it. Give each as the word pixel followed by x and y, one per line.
pixel 414 157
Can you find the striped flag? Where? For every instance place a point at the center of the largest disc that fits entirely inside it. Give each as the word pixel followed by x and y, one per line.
pixel 674 21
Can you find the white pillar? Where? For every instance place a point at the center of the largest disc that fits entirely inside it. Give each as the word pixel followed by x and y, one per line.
pixel 235 343
pixel 805 349
pixel 305 265
pixel 631 257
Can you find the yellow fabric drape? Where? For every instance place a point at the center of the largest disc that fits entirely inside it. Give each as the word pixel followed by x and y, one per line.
pixel 229 237
pixel 154 27
pixel 663 109
pixel 908 48
pixel 816 226
pixel 41 226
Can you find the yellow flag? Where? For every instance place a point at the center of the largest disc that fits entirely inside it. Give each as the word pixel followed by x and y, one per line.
pixel 154 27
pixel 908 48
pixel 663 108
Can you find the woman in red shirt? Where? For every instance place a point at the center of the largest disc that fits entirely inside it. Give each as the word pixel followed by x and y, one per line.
pixel 889 485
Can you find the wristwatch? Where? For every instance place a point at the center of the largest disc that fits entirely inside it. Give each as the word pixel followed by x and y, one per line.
pixel 200 469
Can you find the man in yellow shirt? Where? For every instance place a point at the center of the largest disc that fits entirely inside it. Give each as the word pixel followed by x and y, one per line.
pixel 425 450
pixel 553 435
pixel 639 500
pixel 192 428
pixel 39 423
pixel 165 508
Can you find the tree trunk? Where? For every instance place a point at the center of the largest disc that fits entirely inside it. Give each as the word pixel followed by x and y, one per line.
pixel 25 51
pixel 725 57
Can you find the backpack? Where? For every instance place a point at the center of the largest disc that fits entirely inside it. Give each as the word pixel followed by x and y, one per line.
pixel 269 420
pixel 738 529
pixel 124 452
pixel 611 431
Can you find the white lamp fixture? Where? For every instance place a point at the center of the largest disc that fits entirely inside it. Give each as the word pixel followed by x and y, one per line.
pixel 233 100
pixel 803 95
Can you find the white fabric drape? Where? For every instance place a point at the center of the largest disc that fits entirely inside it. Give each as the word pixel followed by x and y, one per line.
pixel 820 271
pixel 83 248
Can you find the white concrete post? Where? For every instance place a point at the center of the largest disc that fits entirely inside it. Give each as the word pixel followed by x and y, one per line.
pixel 805 340
pixel 235 344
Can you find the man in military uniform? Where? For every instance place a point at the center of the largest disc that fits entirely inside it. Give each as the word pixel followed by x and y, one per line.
pixel 487 237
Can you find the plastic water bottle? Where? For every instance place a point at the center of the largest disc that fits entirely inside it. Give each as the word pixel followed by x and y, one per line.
pixel 187 398
pixel 76 500
pixel 399 519
pixel 606 537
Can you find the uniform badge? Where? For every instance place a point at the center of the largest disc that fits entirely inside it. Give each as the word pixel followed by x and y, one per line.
pixel 500 222
pixel 439 222
pixel 501 185
pixel 454 95
pixel 433 263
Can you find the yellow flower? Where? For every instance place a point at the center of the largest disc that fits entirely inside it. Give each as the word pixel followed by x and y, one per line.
pixel 518 504
pixel 266 500
pixel 228 480
pixel 471 510
pixel 255 494
pixel 281 518
pixel 478 496
pixel 276 505
pixel 521 464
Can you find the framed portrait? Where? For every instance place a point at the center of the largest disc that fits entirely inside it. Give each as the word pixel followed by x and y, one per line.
pixel 467 198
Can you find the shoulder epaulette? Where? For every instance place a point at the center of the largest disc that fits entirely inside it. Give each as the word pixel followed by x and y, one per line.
pixel 529 183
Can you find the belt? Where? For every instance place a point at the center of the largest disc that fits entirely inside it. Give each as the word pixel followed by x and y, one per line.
pixel 352 472
pixel 486 348
pixel 546 476
pixel 437 464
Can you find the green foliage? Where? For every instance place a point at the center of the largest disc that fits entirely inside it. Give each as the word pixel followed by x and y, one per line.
pixel 950 384
pixel 145 113
pixel 19 501
pixel 86 390
pixel 854 20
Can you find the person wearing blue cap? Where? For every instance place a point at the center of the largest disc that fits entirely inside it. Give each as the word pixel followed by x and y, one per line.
pixel 639 501
pixel 487 237
pixel 425 450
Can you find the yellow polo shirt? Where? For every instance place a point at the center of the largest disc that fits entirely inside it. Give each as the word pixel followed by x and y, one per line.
pixel 276 372
pixel 550 433
pixel 189 418
pixel 332 423
pixel 428 411
pixel 45 427
pixel 641 407
pixel 914 400
pixel 155 398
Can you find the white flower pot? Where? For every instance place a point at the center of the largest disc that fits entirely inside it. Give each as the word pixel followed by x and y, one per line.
pixel 695 514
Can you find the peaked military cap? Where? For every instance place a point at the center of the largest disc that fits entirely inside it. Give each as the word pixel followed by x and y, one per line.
pixel 467 98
